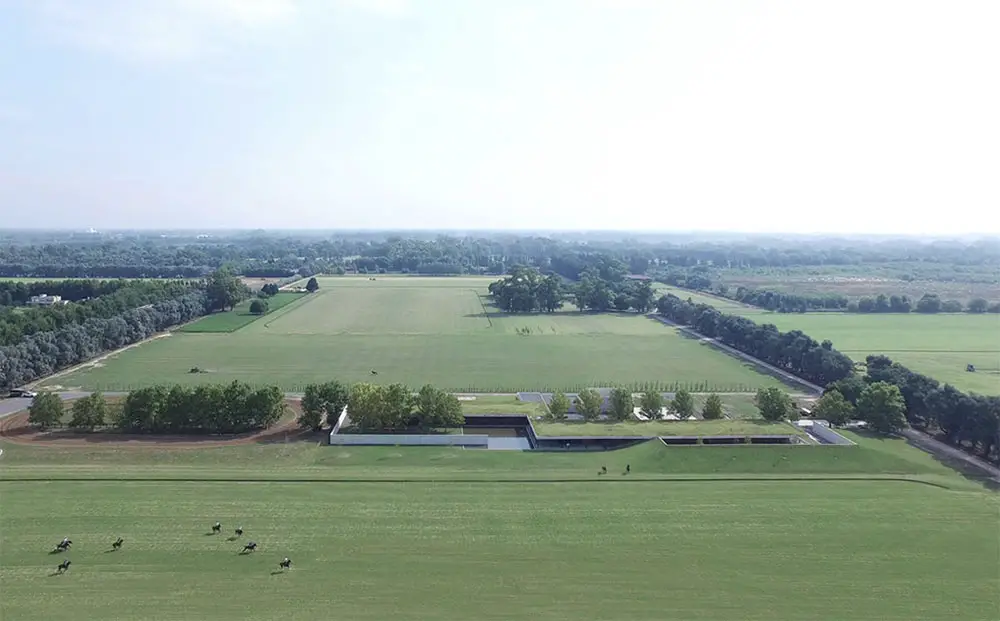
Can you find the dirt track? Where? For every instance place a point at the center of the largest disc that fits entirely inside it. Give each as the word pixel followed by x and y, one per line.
pixel 15 430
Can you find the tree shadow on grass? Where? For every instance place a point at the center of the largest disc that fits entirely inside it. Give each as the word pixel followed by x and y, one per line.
pixel 968 471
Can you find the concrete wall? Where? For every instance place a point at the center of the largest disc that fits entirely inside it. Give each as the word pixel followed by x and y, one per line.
pixel 826 435
pixel 352 439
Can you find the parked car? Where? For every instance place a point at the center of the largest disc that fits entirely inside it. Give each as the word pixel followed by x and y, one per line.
pixel 21 393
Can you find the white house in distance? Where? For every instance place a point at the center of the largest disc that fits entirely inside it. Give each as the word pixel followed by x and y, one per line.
pixel 46 300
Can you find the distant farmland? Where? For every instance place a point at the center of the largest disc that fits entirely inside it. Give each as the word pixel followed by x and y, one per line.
pixel 419 330
pixel 939 345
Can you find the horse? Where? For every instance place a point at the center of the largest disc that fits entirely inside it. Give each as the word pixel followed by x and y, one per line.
pixel 118 544
pixel 373 372
pixel 63 545
pixel 285 564
pixel 217 528
pixel 250 547
pixel 63 566
pixel 239 531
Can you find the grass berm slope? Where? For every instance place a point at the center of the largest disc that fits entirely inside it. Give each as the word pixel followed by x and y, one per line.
pixel 669 542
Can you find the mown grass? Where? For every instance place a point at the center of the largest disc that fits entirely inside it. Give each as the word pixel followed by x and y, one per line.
pixel 939 346
pixel 501 404
pixel 425 330
pixel 230 321
pixel 687 546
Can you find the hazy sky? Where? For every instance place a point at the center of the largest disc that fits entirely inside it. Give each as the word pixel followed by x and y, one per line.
pixel 799 116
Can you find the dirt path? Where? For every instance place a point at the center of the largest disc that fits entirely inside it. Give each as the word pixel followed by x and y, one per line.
pixel 15 429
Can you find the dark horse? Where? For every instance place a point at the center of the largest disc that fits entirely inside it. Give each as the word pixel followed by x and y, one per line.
pixel 285 564
pixel 63 566
pixel 118 544
pixel 217 527
pixel 250 547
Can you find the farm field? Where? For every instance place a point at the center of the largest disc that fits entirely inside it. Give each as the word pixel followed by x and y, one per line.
pixel 871 280
pixel 890 548
pixel 939 346
pixel 428 330
pixel 230 321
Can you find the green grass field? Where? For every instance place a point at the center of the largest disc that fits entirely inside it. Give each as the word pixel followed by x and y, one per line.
pixel 230 321
pixel 419 330
pixel 750 533
pixel 939 346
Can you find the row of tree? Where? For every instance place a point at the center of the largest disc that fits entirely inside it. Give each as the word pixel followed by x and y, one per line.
pixel 43 353
pixel 792 351
pixel 527 290
pixel 621 405
pixel 204 409
pixel 966 420
pixel 373 407
pixel 16 324
pixel 788 302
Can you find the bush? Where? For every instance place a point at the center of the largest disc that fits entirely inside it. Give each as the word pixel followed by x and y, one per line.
pixel 258 307
pixel 46 410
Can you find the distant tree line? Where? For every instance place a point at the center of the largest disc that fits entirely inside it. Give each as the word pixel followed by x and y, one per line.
pixel 15 324
pixel 173 255
pixel 205 409
pixel 527 290
pixel 966 420
pixel 19 293
pixel 792 351
pixel 44 352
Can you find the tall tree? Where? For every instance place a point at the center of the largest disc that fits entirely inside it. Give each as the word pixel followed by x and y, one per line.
pixel 833 407
pixel 620 404
pixel 313 285
pixel 588 403
pixel 89 412
pixel 46 410
pixel 313 408
pixel 682 404
pixel 712 410
pixel 258 307
pixel 774 403
pixel 558 406
pixel 225 290
pixel 437 409
pixel 882 406
pixel 651 404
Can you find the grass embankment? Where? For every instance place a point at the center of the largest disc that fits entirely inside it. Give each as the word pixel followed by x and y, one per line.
pixel 663 549
pixel 230 321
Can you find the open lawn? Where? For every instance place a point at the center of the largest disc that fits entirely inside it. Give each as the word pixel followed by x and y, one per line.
pixel 419 330
pixel 748 533
pixel 230 321
pixel 939 346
